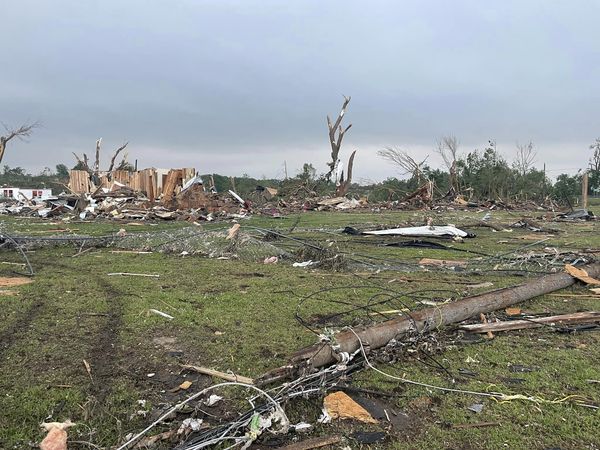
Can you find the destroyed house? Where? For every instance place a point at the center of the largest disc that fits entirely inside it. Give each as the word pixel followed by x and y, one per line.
pixel 16 193
pixel 150 182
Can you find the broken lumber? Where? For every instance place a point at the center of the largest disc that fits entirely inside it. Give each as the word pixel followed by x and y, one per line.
pixel 126 274
pixel 582 317
pixel 424 320
pixel 441 262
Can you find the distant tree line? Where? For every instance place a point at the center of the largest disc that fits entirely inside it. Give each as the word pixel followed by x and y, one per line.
pixel 477 175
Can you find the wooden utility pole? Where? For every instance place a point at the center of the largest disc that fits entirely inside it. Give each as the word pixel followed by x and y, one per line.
pixel 426 319
pixel 285 169
pixel 544 191
pixel 584 190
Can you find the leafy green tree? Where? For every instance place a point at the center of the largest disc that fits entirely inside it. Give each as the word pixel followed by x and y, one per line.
pixel 62 171
pixel 486 173
pixel 594 167
pixel 567 187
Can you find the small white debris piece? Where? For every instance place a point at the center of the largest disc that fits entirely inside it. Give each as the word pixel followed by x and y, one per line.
pixel 212 400
pixel 189 425
pixel 150 375
pixel 160 313
pixel 325 417
pixel 302 427
pixel 476 407
pixel 310 262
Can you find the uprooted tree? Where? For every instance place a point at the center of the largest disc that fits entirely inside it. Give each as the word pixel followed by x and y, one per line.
pixel 336 135
pixel 83 163
pixel 20 133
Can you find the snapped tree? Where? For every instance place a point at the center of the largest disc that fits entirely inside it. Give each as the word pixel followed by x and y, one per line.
pixel 336 135
pixel 94 171
pixel 20 133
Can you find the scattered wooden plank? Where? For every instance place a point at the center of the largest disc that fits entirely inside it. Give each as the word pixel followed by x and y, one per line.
pixel 442 262
pixel 582 317
pixel 317 442
pixel 126 274
pixel 216 373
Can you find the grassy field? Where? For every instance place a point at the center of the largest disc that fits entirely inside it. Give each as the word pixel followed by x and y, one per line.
pixel 238 315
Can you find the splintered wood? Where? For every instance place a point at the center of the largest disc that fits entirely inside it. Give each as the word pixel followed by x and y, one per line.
pixel 580 274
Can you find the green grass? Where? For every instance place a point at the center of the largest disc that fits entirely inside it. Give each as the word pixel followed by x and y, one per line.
pixel 238 315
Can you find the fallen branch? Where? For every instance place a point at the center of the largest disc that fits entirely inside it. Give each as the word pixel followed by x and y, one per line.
pixel 583 317
pixel 464 426
pixel 216 373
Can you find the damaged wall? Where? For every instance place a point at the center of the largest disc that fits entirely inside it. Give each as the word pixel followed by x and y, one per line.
pixel 151 182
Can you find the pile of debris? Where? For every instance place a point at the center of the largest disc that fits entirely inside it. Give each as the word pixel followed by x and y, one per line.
pixel 180 195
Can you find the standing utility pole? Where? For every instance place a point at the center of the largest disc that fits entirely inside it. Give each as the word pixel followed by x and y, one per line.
pixel 584 190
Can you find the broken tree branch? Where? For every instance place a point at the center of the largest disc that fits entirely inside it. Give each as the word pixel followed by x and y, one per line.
pixel 20 133
pixel 216 373
pixel 112 160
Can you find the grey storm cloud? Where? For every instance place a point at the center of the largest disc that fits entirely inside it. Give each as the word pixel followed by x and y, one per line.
pixel 240 86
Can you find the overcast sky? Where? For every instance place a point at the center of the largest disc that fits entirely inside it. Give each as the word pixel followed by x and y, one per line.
pixel 241 86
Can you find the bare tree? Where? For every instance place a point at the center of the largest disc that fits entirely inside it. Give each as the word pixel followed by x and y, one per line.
pixel 525 158
pixel 336 135
pixel 447 147
pixel 595 159
pixel 407 164
pixel 20 133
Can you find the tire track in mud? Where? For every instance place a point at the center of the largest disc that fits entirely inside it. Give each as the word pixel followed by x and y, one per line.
pixel 15 332
pixel 103 350
pixel 101 346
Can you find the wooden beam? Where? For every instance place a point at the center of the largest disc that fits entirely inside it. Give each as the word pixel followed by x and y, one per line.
pixel 582 317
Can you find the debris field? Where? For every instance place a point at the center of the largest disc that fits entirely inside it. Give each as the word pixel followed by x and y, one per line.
pixel 453 327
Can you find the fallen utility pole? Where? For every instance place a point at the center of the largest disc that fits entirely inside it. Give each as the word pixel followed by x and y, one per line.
pixel 427 319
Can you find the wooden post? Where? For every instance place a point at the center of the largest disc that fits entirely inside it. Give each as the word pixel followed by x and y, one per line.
pixel 584 190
